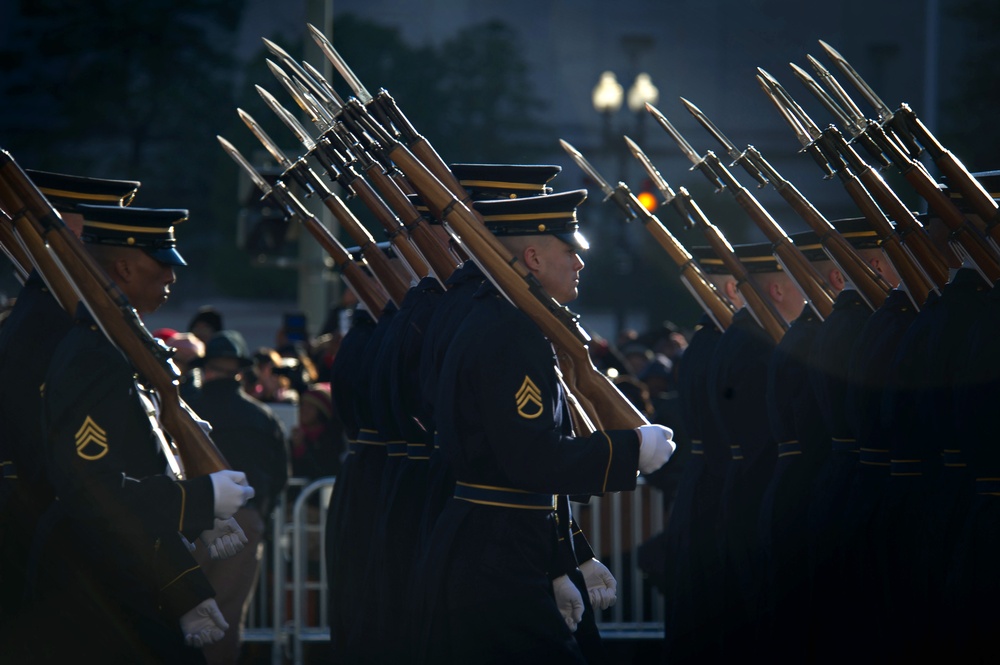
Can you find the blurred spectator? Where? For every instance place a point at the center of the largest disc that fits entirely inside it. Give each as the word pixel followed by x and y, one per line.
pixel 636 392
pixel 206 322
pixel 317 442
pixel 270 381
pixel 324 350
pixel 637 356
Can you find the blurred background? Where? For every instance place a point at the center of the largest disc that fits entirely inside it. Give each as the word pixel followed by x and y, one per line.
pixel 139 90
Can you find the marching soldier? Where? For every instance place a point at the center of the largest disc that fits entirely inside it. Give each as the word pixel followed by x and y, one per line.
pixel 131 589
pixel 737 383
pixel 497 581
pixel 27 339
pixel 692 558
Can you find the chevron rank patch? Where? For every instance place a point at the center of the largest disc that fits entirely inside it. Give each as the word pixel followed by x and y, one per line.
pixel 91 440
pixel 529 400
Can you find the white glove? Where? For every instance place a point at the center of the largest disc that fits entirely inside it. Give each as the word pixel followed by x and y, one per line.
pixel 203 625
pixel 231 492
pixel 225 539
pixel 655 446
pixel 569 601
pixel 601 585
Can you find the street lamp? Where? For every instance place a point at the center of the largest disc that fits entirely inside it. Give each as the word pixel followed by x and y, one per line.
pixel 607 98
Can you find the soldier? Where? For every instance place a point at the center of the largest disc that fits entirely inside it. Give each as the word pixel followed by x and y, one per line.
pixel 928 488
pixel 737 384
pixel 496 580
pixel 692 559
pixel 832 350
pixel 132 590
pixel 29 335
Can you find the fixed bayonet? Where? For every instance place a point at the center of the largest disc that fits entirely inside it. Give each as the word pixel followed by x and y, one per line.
pixel 698 162
pixel 738 156
pixel 334 99
pixel 266 140
pixel 317 114
pixel 331 54
pixel 302 75
pixel 885 115
pixel 286 117
pixel 256 177
pixel 588 168
pixel 654 173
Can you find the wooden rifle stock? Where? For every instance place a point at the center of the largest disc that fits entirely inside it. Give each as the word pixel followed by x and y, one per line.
pixel 869 283
pixel 692 276
pixel 116 317
pixel 802 272
pixel 12 247
pixel 762 309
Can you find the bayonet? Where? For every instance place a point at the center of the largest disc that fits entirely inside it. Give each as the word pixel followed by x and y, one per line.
pixel 317 114
pixel 884 112
pixel 588 169
pixel 654 173
pixel 885 115
pixel 331 54
pixel 286 117
pixel 738 156
pixel 334 98
pixel 302 75
pixel 266 140
pixel 698 162
pixel 256 177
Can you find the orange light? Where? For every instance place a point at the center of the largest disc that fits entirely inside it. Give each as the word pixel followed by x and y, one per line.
pixel 648 201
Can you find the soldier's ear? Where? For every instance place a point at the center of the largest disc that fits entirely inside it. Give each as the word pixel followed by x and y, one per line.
pixel 836 279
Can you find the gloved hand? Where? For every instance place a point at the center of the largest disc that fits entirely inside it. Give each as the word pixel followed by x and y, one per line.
pixel 225 539
pixel 231 492
pixel 601 585
pixel 655 446
pixel 203 624
pixel 569 601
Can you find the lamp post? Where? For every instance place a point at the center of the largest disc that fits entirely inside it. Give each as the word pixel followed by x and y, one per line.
pixel 607 98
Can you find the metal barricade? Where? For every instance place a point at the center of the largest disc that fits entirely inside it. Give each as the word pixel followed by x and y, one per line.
pixel 290 611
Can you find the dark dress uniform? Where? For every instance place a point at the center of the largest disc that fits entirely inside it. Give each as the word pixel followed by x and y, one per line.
pixel 451 310
pixel 28 337
pixel 400 501
pixel 803 445
pixel 868 374
pixel 344 377
pixel 692 559
pixel 832 350
pixel 971 588
pixel 494 551
pixel 357 514
pixel 922 505
pixel 737 384
pixel 129 576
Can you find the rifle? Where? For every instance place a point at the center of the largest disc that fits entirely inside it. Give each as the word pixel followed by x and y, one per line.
pixel 812 285
pixel 760 306
pixel 912 132
pixel 12 247
pixel 870 284
pixel 367 289
pixel 311 183
pixel 885 148
pixel 691 274
pixel 36 219
pixel 339 168
pixel 863 183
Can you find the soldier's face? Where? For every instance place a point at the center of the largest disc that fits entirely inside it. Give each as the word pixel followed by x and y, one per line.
pixel 558 268
pixel 150 287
